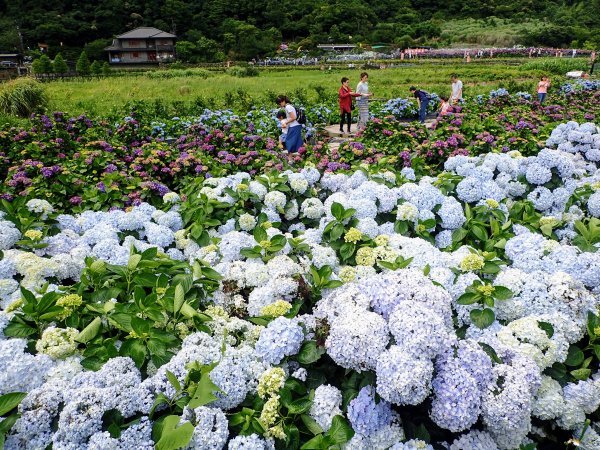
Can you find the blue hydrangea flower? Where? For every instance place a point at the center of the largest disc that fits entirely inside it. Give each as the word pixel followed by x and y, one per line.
pixel 366 415
pixel 282 337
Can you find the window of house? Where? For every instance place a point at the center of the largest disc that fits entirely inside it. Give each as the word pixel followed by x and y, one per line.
pixel 133 43
pixel 135 55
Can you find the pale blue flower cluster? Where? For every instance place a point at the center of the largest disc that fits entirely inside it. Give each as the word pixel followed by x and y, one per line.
pixel 281 338
pixel 366 414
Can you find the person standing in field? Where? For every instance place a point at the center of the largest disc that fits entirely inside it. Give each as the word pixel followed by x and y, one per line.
pixel 457 89
pixel 345 95
pixel 422 101
pixel 293 140
pixel 542 89
pixel 363 101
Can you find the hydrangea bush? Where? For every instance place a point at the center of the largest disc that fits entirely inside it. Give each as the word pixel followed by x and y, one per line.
pixel 315 308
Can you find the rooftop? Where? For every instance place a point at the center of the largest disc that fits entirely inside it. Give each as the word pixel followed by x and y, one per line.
pixel 144 33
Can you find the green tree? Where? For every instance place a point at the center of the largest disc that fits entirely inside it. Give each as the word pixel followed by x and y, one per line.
pixel 83 64
pixel 42 65
pixel 106 70
pixel 186 51
pixel 96 68
pixel 59 65
pixel 208 50
pixel 95 49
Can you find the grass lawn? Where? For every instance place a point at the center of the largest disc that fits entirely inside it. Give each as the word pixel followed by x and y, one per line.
pixel 218 90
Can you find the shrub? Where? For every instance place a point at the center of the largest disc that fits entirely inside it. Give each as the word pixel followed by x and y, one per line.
pixel 22 97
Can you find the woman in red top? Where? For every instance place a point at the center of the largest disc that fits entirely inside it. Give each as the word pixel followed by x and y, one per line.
pixel 346 95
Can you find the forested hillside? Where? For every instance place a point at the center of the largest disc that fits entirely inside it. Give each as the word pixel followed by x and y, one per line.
pixel 215 29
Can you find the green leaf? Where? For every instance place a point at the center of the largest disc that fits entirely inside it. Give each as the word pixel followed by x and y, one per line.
pixel 211 274
pixel 28 296
pixel 278 242
pixel 319 442
pixel 490 268
pixel 426 270
pixel 135 349
pixel 340 431
pixel 174 381
pixel 502 293
pixel 546 229
pixel 173 437
pixel 459 234
pixel 593 324
pixel 179 299
pixel 480 232
pixel 186 280
pixel 337 231
pixel 348 213
pixel 299 406
pixel 482 318
pixel 575 356
pixel 292 436
pixel 133 262
pixel 558 371
pixel 90 332
pixel 332 284
pixel 490 352
pixel 337 210
pixel 311 424
pixel 121 321
pixel 401 227
pixel 140 326
pixel 547 327
pixel 156 347
pixel 10 401
pixel 347 250
pixel 6 425
pixel 149 253
pixel 581 374
pixel 260 234
pixel 249 252
pixel 429 223
pixel 18 329
pixel 468 298
pixel 204 391
pixel 310 353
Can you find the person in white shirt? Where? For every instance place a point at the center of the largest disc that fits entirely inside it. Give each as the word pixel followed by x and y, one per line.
pixel 293 140
pixel 457 88
pixel 363 101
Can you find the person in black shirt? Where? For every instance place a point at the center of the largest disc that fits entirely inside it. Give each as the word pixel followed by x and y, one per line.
pixel 422 100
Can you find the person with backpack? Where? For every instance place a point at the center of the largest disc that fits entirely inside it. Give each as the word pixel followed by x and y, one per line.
pixel 293 140
pixel 422 100
pixel 345 94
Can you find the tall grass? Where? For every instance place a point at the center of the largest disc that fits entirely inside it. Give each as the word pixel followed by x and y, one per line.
pixel 22 96
pixel 100 97
pixel 557 66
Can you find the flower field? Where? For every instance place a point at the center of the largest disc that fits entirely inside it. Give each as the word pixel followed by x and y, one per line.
pixel 182 283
